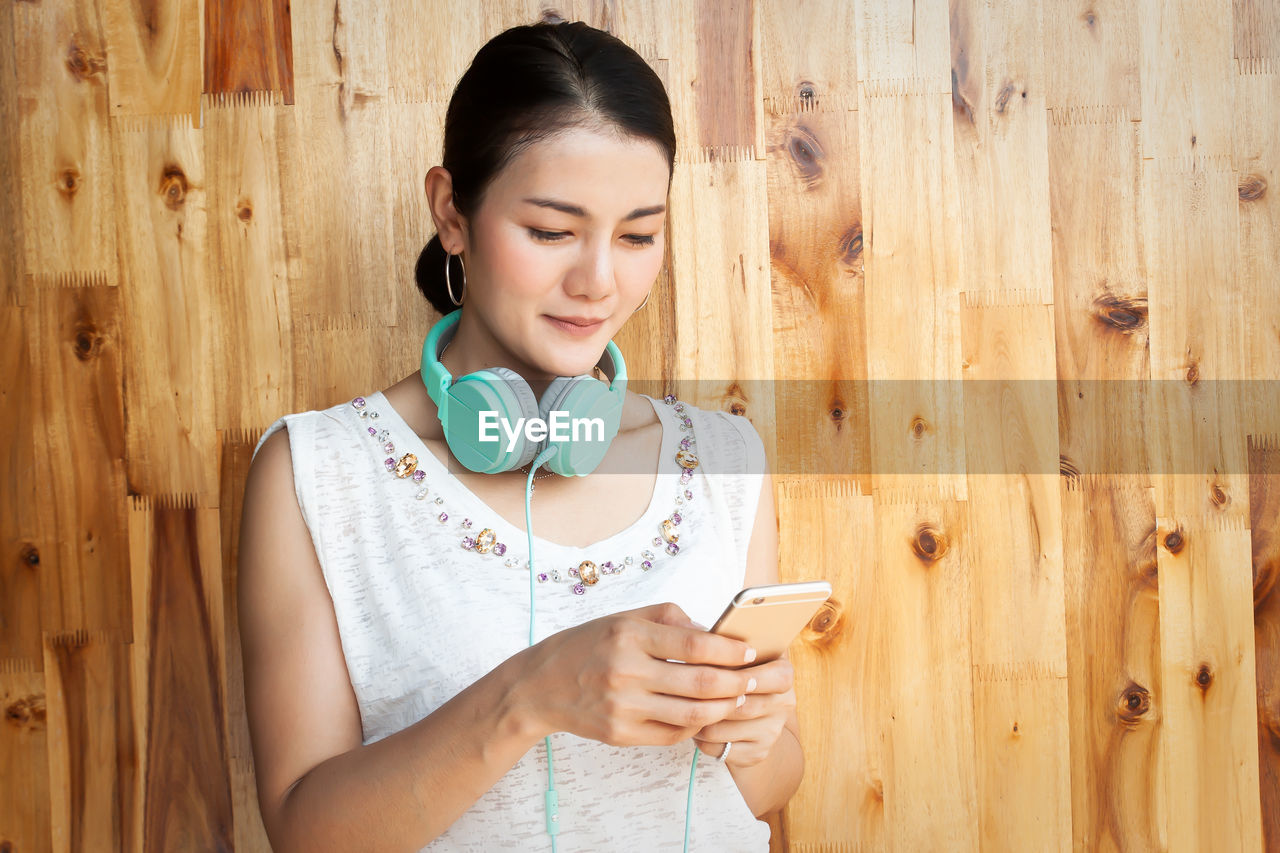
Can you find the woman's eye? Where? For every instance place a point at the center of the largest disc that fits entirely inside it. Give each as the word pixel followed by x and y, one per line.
pixel 641 239
pixel 546 236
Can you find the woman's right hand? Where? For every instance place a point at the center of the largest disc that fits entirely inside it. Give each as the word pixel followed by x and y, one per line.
pixel 640 677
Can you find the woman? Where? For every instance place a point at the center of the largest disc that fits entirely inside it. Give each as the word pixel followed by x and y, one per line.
pixel 394 699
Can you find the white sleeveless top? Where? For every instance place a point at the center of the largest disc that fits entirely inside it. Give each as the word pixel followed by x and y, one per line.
pixel 421 616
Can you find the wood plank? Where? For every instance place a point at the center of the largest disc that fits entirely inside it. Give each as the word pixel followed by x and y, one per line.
pixel 94 764
pixel 68 202
pixel 904 45
pixel 827 530
pixel 248 47
pixel 1015 538
pixel 1002 170
pixel 24 761
pixel 1264 509
pixel 1092 55
pixel 167 308
pixel 805 61
pixel 1116 698
pixel 922 552
pixel 248 275
pixel 153 57
pixel 79 434
pixel 12 256
pixel 24 536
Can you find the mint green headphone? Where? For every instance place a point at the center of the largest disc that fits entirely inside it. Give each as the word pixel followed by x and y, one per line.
pixel 499 390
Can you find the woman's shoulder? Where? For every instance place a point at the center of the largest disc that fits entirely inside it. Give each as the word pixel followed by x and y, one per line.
pixel 727 443
pixel 304 425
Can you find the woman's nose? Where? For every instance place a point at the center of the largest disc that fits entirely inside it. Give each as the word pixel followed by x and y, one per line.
pixel 595 278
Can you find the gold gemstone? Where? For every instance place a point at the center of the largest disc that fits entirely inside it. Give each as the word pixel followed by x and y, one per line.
pixel 406 466
pixel 668 531
pixel 486 540
pixel 588 573
pixel 687 459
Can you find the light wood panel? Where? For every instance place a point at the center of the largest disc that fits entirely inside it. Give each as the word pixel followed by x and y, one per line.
pixel 996 284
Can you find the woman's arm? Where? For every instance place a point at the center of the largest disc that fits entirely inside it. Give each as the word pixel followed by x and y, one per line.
pixel 768 763
pixel 320 788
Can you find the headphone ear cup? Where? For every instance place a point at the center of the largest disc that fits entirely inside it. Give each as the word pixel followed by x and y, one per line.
pixel 498 390
pixel 583 397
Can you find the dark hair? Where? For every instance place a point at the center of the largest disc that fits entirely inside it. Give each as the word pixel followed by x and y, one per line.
pixel 528 83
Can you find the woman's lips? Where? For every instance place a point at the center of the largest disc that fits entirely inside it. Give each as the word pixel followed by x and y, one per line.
pixel 575 330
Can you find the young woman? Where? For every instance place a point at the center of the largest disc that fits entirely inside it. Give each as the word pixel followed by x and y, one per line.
pixel 393 698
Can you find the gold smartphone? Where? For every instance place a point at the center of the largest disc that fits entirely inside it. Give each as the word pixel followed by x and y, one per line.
pixel 771 617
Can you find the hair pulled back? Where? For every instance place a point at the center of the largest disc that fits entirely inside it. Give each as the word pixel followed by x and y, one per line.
pixel 525 84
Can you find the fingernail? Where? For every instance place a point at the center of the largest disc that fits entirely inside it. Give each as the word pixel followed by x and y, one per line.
pixel 751 685
pixel 750 656
pixel 742 700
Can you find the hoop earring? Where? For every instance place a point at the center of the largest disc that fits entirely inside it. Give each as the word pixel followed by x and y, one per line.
pixel 646 301
pixel 449 285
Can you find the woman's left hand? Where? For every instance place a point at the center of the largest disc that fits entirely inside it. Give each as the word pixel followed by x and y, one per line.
pixel 755 726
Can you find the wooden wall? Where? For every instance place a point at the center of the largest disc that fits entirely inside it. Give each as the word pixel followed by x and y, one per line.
pixel 998 284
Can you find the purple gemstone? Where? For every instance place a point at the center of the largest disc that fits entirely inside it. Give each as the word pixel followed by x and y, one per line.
pixel 391 464
pixel 372 431
pixel 419 475
pixel 444 516
pixel 608 564
pixel 389 447
pixel 669 399
pixel 687 421
pixel 466 524
pixel 358 402
pixel 542 577
pixel 499 548
pixel 675 518
pixel 573 573
pixel 679 407
pixel 579 589
pixel 468 542
pixel 646 564
pixel 657 540
pixel 688 495
pixel 673 548
pixel 684 443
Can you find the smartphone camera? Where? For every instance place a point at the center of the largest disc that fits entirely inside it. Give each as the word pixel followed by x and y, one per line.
pixel 758 600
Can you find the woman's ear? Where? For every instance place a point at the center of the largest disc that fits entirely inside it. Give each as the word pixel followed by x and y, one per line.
pixel 450 224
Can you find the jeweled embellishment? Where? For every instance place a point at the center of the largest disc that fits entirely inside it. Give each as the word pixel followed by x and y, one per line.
pixel 579 577
pixel 406 466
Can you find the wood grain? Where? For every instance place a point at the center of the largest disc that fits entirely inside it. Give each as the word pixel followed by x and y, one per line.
pixel 996 284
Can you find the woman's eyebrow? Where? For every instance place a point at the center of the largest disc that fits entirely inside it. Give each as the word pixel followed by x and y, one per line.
pixel 574 210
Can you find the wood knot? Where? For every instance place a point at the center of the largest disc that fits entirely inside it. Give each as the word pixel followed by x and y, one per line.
pixel 807 93
pixel 85 343
pixel 30 556
pixel 1002 99
pixel 1193 373
pixel 919 426
pixel 838 413
pixel 1015 727
pixel 68 182
pixel 1219 497
pixel 1135 702
pixel 1125 313
pixel 736 399
pixel 83 64
pixel 826 625
pixel 25 711
pixel 1174 541
pixel 850 245
pixel 173 187
pixel 1090 18
pixel 806 155
pixel 1204 678
pixel 1252 187
pixel 928 544
pixel 244 210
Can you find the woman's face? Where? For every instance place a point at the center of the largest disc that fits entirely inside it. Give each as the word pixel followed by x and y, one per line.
pixel 573 227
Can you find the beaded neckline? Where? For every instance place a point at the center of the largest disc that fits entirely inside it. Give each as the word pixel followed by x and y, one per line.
pixel 484 542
